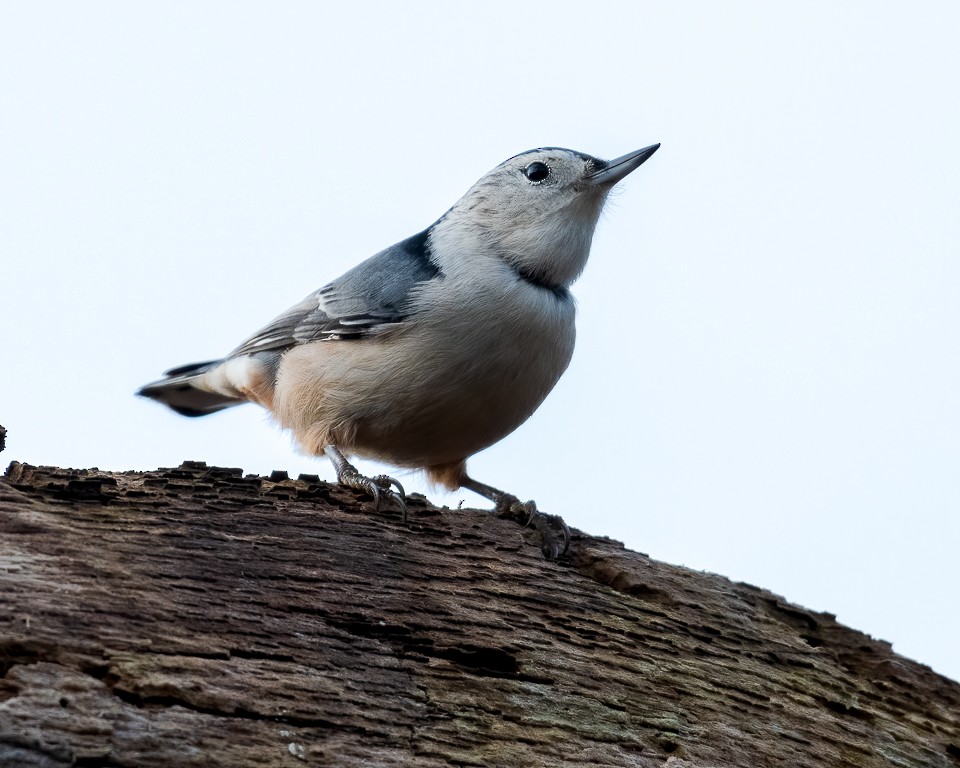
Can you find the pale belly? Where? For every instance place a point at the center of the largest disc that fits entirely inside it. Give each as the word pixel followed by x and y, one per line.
pixel 478 396
pixel 432 394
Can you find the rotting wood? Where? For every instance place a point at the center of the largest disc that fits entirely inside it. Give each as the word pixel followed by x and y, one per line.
pixel 197 617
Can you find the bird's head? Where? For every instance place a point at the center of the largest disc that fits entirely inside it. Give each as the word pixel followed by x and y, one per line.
pixel 538 210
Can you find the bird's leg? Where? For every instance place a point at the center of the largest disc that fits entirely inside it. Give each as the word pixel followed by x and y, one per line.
pixel 554 533
pixel 348 475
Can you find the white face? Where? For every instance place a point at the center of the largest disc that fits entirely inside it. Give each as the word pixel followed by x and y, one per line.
pixel 539 183
pixel 538 210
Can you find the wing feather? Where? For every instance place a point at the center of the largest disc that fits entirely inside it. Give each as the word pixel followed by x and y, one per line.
pixel 369 299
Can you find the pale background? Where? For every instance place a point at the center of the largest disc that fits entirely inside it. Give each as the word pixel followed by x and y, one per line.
pixel 767 374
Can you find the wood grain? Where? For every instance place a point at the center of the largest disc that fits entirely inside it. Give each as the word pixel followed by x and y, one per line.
pixel 197 617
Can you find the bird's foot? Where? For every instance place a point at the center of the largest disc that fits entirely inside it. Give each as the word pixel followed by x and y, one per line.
pixel 554 532
pixel 348 475
pixel 379 487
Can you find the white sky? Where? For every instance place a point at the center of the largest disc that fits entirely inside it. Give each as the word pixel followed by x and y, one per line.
pixel 767 375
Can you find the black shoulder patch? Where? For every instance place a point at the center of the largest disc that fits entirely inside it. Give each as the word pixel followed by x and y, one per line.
pixel 418 249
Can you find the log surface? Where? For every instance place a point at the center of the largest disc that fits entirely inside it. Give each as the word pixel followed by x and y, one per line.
pixel 198 617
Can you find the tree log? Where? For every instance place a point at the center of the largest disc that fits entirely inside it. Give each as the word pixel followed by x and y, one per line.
pixel 198 617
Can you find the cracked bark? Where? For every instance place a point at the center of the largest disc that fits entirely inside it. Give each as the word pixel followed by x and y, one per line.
pixel 197 617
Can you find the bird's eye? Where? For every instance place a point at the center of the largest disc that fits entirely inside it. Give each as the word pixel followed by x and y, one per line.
pixel 536 172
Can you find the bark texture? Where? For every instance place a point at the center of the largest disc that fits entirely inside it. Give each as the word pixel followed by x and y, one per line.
pixel 197 617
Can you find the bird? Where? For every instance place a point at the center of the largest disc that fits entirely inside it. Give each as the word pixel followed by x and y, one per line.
pixel 435 348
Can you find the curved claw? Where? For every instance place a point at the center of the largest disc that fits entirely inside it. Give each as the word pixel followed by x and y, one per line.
pixel 544 522
pixel 553 543
pixel 549 545
pixel 386 483
pixel 351 478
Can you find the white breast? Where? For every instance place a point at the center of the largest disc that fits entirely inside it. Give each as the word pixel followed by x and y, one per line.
pixel 479 363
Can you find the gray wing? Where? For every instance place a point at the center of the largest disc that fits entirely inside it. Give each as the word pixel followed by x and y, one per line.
pixel 365 301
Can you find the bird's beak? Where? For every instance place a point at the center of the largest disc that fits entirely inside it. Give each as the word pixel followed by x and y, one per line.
pixel 614 170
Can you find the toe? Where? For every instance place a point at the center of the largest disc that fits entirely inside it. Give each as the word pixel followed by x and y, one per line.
pixel 554 534
pixel 387 483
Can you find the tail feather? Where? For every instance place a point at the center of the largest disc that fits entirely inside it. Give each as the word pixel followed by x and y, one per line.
pixel 182 370
pixel 182 390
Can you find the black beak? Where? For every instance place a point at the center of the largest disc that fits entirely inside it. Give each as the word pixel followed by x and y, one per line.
pixel 614 170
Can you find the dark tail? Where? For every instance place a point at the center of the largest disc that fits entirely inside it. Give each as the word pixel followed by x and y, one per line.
pixel 182 390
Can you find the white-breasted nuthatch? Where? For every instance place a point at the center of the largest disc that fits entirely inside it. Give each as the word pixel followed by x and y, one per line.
pixel 436 347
